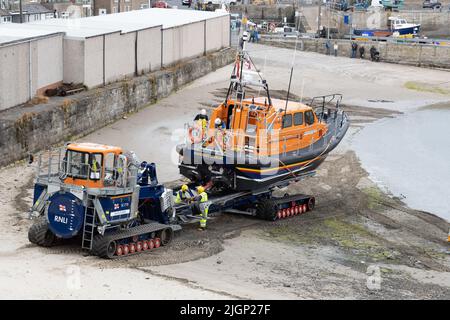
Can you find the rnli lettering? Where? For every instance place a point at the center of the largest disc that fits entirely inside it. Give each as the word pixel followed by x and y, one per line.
pixel 61 219
pixel 119 213
pixel 310 132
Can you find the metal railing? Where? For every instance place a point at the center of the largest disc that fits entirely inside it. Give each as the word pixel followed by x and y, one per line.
pixel 238 143
pixel 48 168
pixel 396 40
pixel 319 103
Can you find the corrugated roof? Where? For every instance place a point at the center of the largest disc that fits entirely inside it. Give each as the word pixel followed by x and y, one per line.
pixel 4 13
pixel 166 17
pixel 126 21
pixel 33 8
pixel 73 28
pixel 94 26
pixel 13 32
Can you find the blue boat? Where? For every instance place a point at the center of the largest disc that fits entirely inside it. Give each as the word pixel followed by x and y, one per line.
pixel 398 27
pixel 403 27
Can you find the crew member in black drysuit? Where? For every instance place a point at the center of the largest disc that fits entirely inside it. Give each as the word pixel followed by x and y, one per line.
pixel 148 170
pixel 374 54
pixel 202 115
pixel 354 48
pixel 361 52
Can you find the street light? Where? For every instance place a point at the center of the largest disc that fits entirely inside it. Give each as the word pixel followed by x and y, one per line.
pixel 20 11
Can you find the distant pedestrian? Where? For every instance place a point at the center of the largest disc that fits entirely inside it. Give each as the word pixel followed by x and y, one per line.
pixel 354 48
pixel 335 47
pixel 361 52
pixel 328 47
pixel 252 35
pixel 374 54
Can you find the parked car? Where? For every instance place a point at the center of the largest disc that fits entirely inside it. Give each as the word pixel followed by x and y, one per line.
pixel 186 2
pixel 161 4
pixel 219 2
pixel 431 4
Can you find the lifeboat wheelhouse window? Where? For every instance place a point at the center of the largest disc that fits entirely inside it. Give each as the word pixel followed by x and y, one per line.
pixel 298 119
pixel 309 117
pixel 287 121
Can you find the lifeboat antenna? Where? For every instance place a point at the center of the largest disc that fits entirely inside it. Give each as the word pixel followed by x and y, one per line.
pixel 290 78
pixel 289 89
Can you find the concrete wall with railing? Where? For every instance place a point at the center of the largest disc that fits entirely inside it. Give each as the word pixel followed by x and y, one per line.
pixel 433 23
pixel 422 55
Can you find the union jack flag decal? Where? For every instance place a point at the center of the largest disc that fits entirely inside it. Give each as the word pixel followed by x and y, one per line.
pixel 62 208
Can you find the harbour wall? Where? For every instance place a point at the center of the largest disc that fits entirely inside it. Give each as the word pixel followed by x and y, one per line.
pixel 433 23
pixel 420 55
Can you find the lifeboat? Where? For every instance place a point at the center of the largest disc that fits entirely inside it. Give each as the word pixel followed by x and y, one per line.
pixel 252 142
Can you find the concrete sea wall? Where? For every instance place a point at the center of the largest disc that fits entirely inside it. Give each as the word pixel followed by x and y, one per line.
pixel 411 54
pixel 433 23
pixel 28 129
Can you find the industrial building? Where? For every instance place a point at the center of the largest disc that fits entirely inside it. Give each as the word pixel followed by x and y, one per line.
pixel 31 60
pixel 103 49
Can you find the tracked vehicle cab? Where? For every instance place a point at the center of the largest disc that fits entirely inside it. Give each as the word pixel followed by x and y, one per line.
pixel 94 191
pixel 94 165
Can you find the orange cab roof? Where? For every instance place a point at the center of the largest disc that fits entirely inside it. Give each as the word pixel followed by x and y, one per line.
pixel 281 104
pixel 93 147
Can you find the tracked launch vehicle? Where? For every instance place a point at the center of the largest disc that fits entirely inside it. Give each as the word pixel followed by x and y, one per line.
pixel 102 195
pixel 115 206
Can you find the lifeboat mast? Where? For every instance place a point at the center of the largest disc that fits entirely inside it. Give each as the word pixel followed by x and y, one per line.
pixel 238 82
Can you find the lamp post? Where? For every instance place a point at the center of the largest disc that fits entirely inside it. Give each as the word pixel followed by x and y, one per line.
pixel 319 16
pixel 20 12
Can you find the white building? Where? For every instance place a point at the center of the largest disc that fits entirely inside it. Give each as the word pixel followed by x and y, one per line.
pixel 98 50
pixel 111 47
pixel 5 16
pixel 31 60
pixel 32 12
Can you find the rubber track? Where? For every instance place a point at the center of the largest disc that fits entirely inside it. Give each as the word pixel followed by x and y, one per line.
pixel 32 233
pixel 101 242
